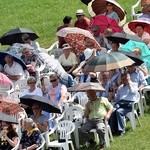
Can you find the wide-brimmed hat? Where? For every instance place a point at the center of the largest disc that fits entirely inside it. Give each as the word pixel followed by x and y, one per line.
pixel 79 12
pixel 88 53
pixel 66 46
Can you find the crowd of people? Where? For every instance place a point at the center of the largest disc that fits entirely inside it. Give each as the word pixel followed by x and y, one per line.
pixel 122 85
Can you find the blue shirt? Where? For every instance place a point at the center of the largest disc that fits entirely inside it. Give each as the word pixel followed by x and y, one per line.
pixel 126 93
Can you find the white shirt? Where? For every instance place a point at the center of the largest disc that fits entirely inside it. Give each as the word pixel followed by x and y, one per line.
pixel 37 92
pixel 15 69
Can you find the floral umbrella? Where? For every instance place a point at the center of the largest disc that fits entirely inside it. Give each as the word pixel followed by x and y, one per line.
pixel 75 37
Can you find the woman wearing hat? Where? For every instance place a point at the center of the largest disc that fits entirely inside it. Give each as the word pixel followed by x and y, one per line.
pixel 31 138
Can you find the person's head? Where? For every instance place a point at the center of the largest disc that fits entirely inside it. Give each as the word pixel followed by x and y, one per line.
pixel 125 77
pixel 91 94
pixel 80 14
pixel 112 72
pixel 26 52
pixel 67 20
pixel 146 9
pixel 104 77
pixel 131 68
pixel 139 29
pixel 6 125
pixel 29 124
pixel 66 49
pixel 36 109
pixel 31 82
pixel 115 46
pixel 95 31
pixel 108 31
pixel 109 6
pixel 26 38
pixel 54 80
pixel 9 60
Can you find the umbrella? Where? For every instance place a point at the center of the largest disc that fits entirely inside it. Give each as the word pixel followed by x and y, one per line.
pixel 136 58
pixel 122 38
pixel 15 57
pixel 9 105
pixel 8 118
pixel 96 7
pixel 75 37
pixel 86 1
pixel 81 87
pixel 105 22
pixel 14 36
pixel 43 102
pixel 131 26
pixel 4 80
pixel 109 61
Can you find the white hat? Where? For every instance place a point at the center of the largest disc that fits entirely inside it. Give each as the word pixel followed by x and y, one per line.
pixel 88 53
pixel 79 12
pixel 66 46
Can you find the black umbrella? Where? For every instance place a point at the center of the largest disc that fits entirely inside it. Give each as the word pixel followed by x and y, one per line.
pixel 44 103
pixel 14 36
pixel 136 58
pixel 8 118
pixel 122 38
pixel 15 57
pixel 86 2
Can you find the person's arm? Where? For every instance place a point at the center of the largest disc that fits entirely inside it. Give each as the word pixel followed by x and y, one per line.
pixel 32 147
pixel 87 110
pixel 14 77
pixel 13 142
pixel 73 68
pixel 43 127
pixel 107 116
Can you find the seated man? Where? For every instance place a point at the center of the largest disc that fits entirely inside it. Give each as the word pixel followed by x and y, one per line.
pixel 96 110
pixel 68 59
pixel 40 119
pixel 31 60
pixel 126 94
pixel 13 69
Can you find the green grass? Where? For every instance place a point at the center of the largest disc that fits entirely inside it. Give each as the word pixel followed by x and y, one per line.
pixel 42 16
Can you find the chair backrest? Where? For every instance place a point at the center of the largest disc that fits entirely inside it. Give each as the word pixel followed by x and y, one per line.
pixel 65 128
pixel 15 95
pixel 5 90
pixel 81 98
pixel 20 84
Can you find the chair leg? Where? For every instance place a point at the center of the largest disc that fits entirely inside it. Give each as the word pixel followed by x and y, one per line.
pixel 72 146
pixel 110 133
pixel 137 118
pixel 107 140
pixel 144 102
pixel 76 136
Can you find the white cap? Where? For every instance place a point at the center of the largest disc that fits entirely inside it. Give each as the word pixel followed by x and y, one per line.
pixel 79 12
pixel 66 46
pixel 88 53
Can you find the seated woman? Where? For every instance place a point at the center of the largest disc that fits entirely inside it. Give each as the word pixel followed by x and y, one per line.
pixel 31 60
pixel 40 119
pixel 8 136
pixel 31 138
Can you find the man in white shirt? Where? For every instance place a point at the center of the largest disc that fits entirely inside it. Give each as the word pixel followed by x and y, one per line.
pixel 12 69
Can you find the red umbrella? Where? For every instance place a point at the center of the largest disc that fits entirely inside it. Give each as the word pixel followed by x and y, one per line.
pixel 130 27
pixel 105 22
pixel 4 80
pixel 9 106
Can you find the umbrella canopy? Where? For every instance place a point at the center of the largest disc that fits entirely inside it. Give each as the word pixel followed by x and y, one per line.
pixel 136 58
pixel 8 118
pixel 14 36
pixel 9 105
pixel 105 22
pixel 81 87
pixel 75 37
pixel 131 26
pixel 86 1
pixel 45 104
pixel 96 7
pixel 15 57
pixel 122 38
pixel 109 61
pixel 4 80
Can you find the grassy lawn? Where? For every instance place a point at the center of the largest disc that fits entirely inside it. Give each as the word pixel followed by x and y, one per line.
pixel 43 17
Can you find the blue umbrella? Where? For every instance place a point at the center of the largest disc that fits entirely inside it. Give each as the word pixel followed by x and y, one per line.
pixel 15 57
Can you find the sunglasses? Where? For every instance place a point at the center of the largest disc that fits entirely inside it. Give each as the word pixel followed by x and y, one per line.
pixel 53 80
pixel 78 15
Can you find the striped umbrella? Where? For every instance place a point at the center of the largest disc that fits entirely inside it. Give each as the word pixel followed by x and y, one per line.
pixel 109 61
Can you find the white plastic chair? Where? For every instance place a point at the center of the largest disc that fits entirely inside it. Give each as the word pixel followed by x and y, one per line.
pixel 131 115
pixel 41 147
pixel 133 13
pixel 6 90
pixel 53 46
pixel 15 95
pixel 63 130
pixel 17 146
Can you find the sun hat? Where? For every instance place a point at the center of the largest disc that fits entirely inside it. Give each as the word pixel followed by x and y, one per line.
pixel 88 53
pixel 66 46
pixel 79 12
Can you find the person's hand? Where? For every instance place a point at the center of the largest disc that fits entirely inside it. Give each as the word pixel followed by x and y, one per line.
pixel 146 41
pixel 107 116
